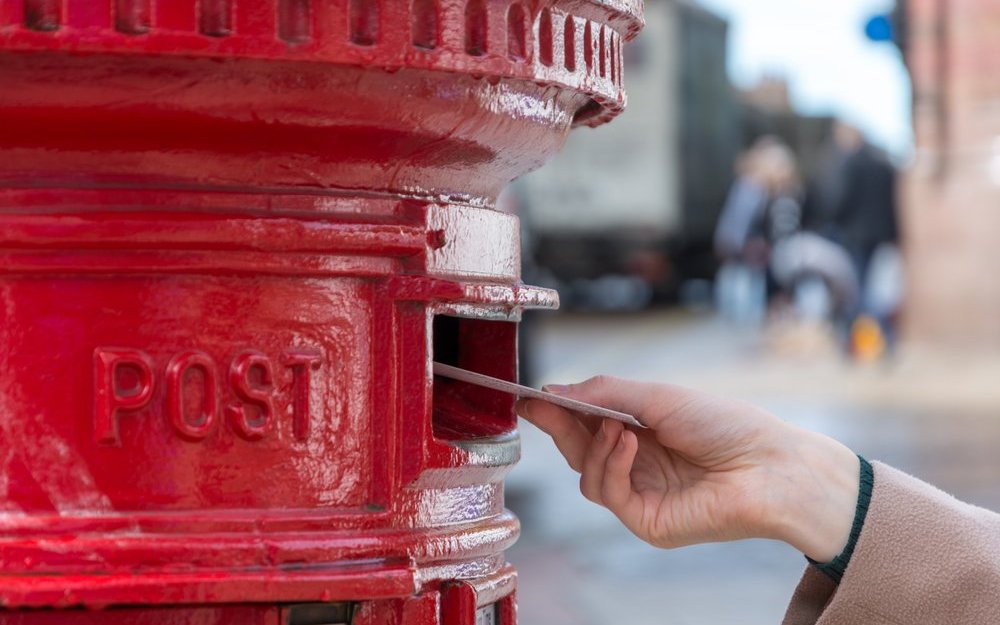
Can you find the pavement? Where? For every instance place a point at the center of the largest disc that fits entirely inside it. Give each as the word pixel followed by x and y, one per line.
pixel 929 412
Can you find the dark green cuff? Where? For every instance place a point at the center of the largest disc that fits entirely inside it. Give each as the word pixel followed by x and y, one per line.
pixel 834 569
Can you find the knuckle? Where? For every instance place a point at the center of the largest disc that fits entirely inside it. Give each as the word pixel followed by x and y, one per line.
pixel 600 381
pixel 587 491
pixel 608 495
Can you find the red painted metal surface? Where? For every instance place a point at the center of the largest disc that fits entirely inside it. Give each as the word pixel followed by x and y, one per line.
pixel 233 235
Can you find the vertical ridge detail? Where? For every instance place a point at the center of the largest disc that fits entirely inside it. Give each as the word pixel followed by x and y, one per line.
pixel 424 24
pixel 43 15
pixel 132 16
pixel 517 33
pixel 364 22
pixel 602 53
pixel 476 27
pixel 295 20
pixel 569 44
pixel 215 18
pixel 612 55
pixel 545 37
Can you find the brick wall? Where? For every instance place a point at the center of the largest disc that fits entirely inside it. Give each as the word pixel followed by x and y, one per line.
pixel 951 200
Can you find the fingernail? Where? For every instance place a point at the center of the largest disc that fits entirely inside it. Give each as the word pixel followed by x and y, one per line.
pixel 621 442
pixel 556 389
pixel 603 431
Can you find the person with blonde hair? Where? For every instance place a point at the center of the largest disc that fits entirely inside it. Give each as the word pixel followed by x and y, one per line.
pixel 762 209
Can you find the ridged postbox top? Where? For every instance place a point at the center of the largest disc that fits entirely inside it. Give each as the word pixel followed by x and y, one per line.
pixel 425 98
pixel 574 44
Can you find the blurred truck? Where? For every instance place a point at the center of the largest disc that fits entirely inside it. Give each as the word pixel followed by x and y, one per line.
pixel 625 214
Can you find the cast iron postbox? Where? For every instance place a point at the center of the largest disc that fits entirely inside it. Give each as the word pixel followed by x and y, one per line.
pixel 235 234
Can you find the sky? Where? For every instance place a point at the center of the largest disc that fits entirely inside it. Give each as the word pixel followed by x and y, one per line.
pixel 820 48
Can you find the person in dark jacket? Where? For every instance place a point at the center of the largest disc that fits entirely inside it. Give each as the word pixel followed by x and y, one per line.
pixel 852 203
pixel 863 211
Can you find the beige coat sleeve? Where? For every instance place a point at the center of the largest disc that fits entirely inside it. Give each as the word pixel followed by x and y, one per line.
pixel 923 558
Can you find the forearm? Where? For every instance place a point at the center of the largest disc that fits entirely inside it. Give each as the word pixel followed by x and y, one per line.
pixel 922 557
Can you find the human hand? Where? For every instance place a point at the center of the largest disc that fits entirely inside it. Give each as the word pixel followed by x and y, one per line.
pixel 708 469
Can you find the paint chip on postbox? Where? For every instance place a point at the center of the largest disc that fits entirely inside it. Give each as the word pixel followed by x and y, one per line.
pixel 526 392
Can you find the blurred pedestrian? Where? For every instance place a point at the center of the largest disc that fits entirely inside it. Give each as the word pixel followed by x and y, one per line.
pixel 763 208
pixel 853 203
pixel 864 209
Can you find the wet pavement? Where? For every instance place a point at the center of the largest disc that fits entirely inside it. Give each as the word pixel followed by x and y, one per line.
pixel 934 414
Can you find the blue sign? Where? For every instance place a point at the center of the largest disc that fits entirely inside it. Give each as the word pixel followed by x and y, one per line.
pixel 879 28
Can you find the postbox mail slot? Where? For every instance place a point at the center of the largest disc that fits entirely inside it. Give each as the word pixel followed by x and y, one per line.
pixel 464 411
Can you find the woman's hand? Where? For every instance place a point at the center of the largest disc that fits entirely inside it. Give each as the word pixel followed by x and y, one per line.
pixel 707 469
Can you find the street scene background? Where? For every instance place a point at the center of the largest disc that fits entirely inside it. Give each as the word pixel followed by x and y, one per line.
pixel 797 209
pixel 933 414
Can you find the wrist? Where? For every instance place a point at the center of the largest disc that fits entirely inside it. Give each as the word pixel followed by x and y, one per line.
pixel 819 492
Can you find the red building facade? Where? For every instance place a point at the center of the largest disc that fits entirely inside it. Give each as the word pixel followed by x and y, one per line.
pixel 951 217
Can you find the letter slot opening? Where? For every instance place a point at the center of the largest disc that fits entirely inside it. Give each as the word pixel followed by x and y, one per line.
pixel 464 411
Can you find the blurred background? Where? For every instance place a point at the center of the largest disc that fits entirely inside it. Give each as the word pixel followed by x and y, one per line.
pixel 799 208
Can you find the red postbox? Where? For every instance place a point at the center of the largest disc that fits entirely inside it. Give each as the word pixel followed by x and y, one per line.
pixel 235 233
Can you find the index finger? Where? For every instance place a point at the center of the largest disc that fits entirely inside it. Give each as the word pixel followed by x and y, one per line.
pixel 652 403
